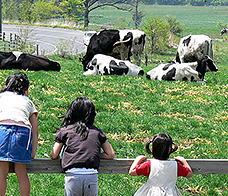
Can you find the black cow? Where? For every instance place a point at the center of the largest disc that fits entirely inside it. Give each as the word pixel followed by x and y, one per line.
pixel 104 42
pixel 120 44
pixel 19 60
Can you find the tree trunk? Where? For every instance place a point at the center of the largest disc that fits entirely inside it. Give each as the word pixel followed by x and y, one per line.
pixel 86 15
pixel 136 14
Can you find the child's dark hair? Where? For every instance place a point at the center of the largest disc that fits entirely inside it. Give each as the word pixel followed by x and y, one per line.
pixel 81 113
pixel 161 146
pixel 17 82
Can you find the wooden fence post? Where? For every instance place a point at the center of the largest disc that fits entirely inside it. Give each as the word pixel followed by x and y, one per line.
pixel 11 37
pixel 37 50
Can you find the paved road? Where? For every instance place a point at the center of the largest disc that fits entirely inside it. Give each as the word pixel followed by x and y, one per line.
pixel 48 38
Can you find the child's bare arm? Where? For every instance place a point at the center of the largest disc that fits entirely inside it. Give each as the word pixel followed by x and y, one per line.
pixel 108 152
pixel 35 131
pixel 185 163
pixel 138 160
pixel 56 150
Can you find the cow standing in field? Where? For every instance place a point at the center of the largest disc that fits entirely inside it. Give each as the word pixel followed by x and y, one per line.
pixel 120 44
pixel 20 60
pixel 194 48
pixel 193 71
pixel 106 65
pixel 104 43
pixel 138 44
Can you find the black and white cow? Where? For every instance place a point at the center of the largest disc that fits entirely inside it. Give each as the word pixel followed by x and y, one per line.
pixel 194 48
pixel 120 44
pixel 20 60
pixel 193 71
pixel 138 44
pixel 106 65
pixel 223 31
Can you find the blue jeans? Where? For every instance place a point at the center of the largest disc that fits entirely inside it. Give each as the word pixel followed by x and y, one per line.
pixel 15 143
pixel 81 185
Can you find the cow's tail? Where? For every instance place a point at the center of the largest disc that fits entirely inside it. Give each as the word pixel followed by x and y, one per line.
pixel 210 52
pixel 146 56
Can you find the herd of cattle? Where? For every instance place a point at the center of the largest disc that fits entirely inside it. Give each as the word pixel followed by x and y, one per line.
pixel 109 52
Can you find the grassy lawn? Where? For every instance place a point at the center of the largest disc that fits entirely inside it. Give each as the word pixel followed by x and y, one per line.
pixel 130 110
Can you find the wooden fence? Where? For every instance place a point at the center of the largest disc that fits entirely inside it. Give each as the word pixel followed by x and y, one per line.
pixel 11 43
pixel 121 166
pixel 14 42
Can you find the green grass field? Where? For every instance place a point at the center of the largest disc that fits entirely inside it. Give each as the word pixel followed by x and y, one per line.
pixel 130 110
pixel 197 19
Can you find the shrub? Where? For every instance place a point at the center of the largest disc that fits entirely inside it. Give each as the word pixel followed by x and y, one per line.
pixel 157 31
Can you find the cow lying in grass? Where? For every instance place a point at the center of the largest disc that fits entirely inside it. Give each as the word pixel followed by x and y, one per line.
pixel 194 71
pixel 106 65
pixel 20 60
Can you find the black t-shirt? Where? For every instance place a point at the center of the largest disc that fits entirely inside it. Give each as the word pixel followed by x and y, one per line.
pixel 78 153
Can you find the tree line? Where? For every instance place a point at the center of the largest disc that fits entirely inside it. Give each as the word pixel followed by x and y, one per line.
pixel 32 11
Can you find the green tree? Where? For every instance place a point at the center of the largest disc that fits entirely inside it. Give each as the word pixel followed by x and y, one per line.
pixel 137 13
pixel 10 9
pixel 26 13
pixel 176 30
pixel 176 27
pixel 157 31
pixel 44 9
pixel 72 9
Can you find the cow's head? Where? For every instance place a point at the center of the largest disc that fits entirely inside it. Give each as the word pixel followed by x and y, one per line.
pixel 223 31
pixel 91 68
pixel 210 66
pixel 206 64
pixel 133 70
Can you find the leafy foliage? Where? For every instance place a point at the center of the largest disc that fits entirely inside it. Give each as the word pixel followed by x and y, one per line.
pixel 26 13
pixel 44 10
pixel 157 31
pixel 72 9
pixel 176 27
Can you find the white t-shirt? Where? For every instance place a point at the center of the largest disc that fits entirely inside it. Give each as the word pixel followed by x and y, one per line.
pixel 16 108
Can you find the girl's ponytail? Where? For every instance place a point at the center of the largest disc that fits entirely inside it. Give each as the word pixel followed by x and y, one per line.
pixel 82 130
pixel 147 146
pixel 175 148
